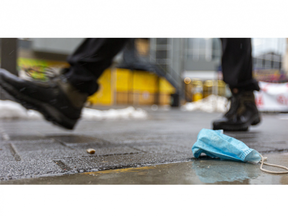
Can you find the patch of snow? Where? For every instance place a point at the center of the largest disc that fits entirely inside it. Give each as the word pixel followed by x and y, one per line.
pixel 212 103
pixel 127 113
pixel 13 110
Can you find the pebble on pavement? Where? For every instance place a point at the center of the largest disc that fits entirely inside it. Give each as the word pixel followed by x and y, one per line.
pixel 91 151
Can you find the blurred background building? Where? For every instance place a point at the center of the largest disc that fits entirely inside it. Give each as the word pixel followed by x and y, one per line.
pixel 162 71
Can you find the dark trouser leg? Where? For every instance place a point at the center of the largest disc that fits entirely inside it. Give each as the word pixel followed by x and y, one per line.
pixel 237 64
pixel 237 73
pixel 89 61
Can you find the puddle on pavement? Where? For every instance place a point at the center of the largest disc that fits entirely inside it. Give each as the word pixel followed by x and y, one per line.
pixel 193 172
pixel 224 171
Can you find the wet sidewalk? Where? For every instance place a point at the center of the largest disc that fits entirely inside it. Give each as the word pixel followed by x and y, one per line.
pixel 204 171
pixel 156 150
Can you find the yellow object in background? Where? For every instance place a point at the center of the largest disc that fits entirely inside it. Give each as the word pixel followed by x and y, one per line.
pixel 197 96
pixel 144 87
pixel 221 88
pixel 123 86
pixel 165 91
pixel 141 88
pixel 166 87
pixel 104 94
pixel 144 81
pixel 197 90
pixel 208 88
pixel 123 79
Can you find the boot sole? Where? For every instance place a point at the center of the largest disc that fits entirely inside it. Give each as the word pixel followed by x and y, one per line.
pixel 256 121
pixel 50 113
pixel 231 128
pixel 243 127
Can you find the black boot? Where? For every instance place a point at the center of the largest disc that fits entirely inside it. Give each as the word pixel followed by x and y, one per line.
pixel 243 112
pixel 58 101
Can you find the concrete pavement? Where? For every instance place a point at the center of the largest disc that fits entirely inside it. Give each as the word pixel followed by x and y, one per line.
pixel 152 151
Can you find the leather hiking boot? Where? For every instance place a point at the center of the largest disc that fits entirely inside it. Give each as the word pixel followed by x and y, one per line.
pixel 243 112
pixel 57 100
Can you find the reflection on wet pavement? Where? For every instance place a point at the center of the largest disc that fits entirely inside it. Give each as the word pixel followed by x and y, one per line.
pixel 213 171
pixel 197 171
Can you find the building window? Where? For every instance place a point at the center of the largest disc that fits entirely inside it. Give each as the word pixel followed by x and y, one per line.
pixel 203 49
pixel 216 49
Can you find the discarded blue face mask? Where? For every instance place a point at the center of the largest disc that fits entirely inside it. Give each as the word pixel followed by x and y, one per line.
pixel 215 144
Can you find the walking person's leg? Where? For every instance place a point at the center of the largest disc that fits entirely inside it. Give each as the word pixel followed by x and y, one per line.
pixel 62 98
pixel 237 73
pixel 89 61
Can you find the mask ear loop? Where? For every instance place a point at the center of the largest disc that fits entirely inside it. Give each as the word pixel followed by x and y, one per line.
pixel 274 165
